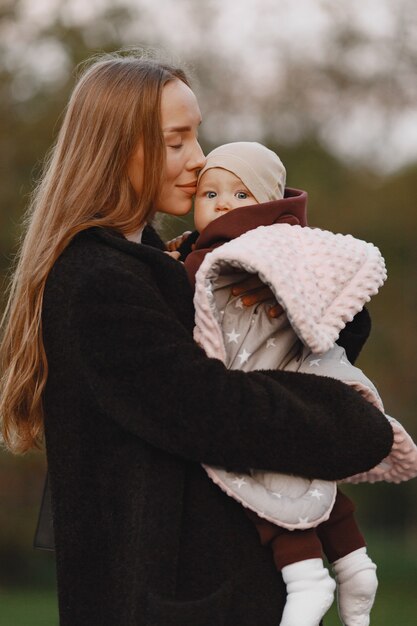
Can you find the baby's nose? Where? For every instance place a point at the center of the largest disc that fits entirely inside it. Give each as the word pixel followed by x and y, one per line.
pixel 223 204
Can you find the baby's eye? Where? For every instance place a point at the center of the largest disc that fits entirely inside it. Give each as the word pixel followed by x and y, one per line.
pixel 211 194
pixel 242 195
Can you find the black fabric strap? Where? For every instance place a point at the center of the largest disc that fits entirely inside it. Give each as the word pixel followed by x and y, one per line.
pixel 44 535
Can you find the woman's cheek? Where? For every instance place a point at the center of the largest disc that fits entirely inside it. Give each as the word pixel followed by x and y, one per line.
pixel 179 165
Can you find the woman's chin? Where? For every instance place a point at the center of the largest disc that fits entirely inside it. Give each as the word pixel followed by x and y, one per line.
pixel 176 208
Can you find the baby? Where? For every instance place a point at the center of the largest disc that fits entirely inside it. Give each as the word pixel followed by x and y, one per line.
pixel 243 183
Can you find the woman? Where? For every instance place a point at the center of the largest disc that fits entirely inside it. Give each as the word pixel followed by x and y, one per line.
pixel 98 352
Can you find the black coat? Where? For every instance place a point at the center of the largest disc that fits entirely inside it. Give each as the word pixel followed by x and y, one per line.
pixel 133 406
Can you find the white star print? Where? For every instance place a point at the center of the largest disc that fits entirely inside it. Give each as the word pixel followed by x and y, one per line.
pixel 243 356
pixel 239 304
pixel 239 482
pixel 303 520
pixel 342 362
pixel 233 336
pixel 315 493
pixel 314 362
pixel 276 494
pixel 271 343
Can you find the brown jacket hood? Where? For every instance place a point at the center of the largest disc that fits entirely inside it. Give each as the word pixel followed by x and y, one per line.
pixel 292 209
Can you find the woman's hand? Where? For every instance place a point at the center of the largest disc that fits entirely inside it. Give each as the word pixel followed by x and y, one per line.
pixel 175 243
pixel 174 255
pixel 253 291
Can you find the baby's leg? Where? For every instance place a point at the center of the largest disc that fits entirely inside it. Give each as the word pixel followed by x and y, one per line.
pixel 298 554
pixel 344 545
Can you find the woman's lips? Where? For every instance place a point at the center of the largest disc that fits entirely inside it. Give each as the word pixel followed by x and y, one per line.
pixel 190 187
pixel 192 184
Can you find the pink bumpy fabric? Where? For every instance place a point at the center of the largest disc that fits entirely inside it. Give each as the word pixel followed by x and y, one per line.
pixel 320 278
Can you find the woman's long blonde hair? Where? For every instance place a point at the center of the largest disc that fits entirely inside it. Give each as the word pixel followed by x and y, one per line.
pixel 115 103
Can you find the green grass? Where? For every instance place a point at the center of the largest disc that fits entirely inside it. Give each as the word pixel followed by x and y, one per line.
pixel 28 608
pixel 396 601
pixel 395 606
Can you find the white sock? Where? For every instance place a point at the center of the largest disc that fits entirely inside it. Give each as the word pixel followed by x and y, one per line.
pixel 310 591
pixel 356 587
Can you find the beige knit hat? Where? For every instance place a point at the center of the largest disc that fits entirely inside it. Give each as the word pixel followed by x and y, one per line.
pixel 259 169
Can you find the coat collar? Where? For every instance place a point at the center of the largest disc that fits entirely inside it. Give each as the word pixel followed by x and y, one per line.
pixel 151 242
pixel 292 209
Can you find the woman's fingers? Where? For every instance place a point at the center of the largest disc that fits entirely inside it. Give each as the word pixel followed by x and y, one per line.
pixel 252 282
pixel 275 311
pixel 175 255
pixel 175 243
pixel 263 295
pixel 257 295
pixel 254 291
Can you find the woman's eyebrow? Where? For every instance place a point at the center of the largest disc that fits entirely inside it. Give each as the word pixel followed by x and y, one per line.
pixel 177 129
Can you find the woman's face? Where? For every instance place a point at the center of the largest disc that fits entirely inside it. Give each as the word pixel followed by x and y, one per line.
pixel 180 119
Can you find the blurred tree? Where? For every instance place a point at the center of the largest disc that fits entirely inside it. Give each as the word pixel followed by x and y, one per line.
pixel 349 87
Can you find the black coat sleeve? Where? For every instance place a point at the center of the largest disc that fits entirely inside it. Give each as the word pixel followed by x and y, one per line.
pixel 146 373
pixel 352 338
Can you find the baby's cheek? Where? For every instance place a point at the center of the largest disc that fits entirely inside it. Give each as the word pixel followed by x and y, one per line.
pixel 201 215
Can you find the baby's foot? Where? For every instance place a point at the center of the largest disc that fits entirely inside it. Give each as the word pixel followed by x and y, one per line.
pixel 310 591
pixel 356 587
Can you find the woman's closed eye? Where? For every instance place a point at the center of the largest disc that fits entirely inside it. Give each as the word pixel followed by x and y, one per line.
pixel 177 146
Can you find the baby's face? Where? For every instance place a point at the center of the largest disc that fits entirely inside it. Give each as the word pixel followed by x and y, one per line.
pixel 218 192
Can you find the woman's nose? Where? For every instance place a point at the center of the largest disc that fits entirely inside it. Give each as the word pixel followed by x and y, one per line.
pixel 198 159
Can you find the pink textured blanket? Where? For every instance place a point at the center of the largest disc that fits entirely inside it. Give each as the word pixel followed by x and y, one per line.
pixel 322 280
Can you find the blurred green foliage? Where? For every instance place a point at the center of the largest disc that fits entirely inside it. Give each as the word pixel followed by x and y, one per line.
pixel 342 198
